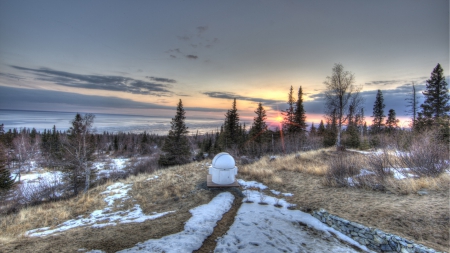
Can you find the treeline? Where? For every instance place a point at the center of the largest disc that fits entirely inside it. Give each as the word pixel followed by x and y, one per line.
pixel 344 125
pixel 74 150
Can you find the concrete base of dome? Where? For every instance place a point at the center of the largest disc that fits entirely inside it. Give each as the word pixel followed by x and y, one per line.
pixel 211 184
pixel 223 176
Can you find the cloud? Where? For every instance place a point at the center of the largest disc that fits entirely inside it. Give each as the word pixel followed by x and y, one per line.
pixel 24 99
pixel 12 76
pixel 231 95
pixel 99 82
pixel 201 29
pixel 161 79
pixel 184 37
pixel 190 56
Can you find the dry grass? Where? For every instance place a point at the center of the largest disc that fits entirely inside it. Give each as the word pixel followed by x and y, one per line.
pixel 266 171
pixel 413 185
pixel 50 214
pixel 424 219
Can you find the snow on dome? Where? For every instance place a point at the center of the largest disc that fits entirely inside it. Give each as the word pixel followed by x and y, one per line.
pixel 223 161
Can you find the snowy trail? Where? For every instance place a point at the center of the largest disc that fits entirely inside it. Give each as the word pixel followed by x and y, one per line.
pixel 196 230
pixel 266 228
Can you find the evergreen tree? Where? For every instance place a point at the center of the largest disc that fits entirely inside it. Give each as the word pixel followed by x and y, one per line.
pixel 176 145
pixel 258 132
pixel 231 129
pixel 378 113
pixel 436 104
pixel 392 121
pixel 6 182
pixel 79 152
pixel 352 135
pixel 331 130
pixel 313 130
pixel 289 114
pixel 321 129
pixel 299 120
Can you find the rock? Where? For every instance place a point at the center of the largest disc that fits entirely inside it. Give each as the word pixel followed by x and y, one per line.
pixel 422 192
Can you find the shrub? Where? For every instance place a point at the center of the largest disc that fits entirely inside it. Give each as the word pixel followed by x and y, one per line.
pixel 427 156
pixel 340 168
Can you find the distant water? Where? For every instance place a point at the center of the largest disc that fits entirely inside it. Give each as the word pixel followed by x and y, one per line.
pixel 102 122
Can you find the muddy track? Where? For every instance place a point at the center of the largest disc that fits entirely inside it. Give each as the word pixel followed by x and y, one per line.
pixel 222 226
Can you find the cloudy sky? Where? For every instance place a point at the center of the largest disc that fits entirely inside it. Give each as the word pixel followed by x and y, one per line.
pixel 141 57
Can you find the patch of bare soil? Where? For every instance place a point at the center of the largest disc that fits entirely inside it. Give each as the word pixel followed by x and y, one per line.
pixel 424 219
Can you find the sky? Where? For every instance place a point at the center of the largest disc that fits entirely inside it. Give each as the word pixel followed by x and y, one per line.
pixel 141 57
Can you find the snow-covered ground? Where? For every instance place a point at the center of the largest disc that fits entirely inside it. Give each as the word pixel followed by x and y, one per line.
pixel 117 192
pixel 115 165
pixel 196 229
pixel 257 228
pixel 266 228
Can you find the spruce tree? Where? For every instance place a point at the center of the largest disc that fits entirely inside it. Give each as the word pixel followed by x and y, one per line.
pixel 6 182
pixel 378 113
pixel 231 128
pixel 321 129
pixel 289 114
pixel 299 114
pixel 436 104
pixel 176 148
pixel 313 130
pixel 392 121
pixel 78 152
pixel 258 132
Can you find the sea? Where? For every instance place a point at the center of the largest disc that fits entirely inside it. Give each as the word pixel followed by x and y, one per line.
pixel 112 123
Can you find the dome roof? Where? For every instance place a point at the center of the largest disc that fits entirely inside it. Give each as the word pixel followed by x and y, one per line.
pixel 223 161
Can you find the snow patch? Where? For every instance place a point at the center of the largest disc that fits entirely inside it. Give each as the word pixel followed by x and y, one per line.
pixel 266 228
pixel 251 184
pixel 196 229
pixel 103 218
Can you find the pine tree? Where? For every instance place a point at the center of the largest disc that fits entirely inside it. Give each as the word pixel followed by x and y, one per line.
pixel 331 130
pixel 436 104
pixel 6 182
pixel 176 145
pixel 321 129
pixel 392 121
pixel 79 152
pixel 258 132
pixel 378 113
pixel 313 130
pixel 299 120
pixel 231 129
pixel 352 139
pixel 289 114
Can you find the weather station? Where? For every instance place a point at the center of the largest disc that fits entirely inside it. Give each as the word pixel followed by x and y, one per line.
pixel 222 172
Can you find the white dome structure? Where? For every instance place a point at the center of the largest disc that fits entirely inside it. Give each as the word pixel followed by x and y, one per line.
pixel 223 169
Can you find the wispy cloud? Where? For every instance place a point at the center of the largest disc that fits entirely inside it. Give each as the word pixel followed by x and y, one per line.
pixel 161 79
pixel 192 57
pixel 99 82
pixel 231 95
pixel 19 98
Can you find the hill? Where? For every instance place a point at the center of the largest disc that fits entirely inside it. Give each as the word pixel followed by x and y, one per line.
pixel 163 205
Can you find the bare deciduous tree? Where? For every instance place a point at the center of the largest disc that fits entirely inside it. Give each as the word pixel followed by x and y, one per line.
pixel 341 93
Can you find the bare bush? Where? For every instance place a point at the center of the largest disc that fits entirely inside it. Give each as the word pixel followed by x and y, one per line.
pixel 340 168
pixel 426 156
pixel 144 166
pixel 381 163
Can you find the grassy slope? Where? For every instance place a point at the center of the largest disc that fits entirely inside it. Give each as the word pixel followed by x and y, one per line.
pixel 424 219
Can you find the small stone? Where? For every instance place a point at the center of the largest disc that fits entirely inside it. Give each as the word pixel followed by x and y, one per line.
pixel 385 247
pixel 422 192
